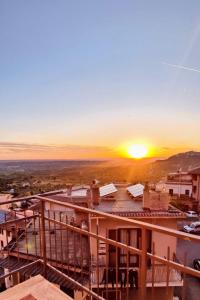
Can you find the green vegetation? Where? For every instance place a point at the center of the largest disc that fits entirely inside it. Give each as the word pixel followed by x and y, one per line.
pixel 30 182
pixel 33 177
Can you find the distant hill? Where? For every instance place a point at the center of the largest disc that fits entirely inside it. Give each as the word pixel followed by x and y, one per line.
pixel 10 166
pixel 184 161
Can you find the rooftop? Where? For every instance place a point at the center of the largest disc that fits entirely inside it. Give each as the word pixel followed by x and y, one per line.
pixel 12 263
pixel 125 205
pixel 122 202
pixel 35 288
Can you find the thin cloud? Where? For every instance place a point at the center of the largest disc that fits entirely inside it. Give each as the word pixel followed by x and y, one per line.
pixel 181 67
pixel 39 147
pixel 20 150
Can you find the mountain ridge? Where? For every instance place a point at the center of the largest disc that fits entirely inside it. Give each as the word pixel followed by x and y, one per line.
pixel 185 161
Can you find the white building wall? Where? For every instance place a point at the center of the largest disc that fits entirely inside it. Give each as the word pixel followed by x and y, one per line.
pixel 52 207
pixel 179 189
pixel 4 239
pixel 4 198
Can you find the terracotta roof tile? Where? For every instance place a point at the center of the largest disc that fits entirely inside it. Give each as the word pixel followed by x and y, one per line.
pixel 141 214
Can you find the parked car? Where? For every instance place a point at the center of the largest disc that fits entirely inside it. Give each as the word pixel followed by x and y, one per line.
pixel 192 214
pixel 196 264
pixel 192 228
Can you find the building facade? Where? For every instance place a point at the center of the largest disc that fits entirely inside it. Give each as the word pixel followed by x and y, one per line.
pixel 179 184
pixel 153 208
pixel 195 173
pixel 125 250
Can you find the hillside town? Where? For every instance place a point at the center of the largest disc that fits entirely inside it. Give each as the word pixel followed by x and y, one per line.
pixel 95 236
pixel 99 150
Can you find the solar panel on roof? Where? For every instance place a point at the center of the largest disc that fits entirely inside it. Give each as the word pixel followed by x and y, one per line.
pixel 107 189
pixel 136 190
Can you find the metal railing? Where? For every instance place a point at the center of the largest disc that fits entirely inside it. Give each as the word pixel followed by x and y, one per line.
pixel 76 250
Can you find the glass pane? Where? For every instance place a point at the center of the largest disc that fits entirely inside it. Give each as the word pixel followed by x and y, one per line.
pixel 123 236
pixel 122 259
pixel 133 238
pixel 123 239
pixel 133 259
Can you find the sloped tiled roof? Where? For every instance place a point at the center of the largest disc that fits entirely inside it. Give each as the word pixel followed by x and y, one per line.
pixel 13 263
pixel 151 214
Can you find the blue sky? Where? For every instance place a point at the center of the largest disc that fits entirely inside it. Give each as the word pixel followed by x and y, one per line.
pixel 94 73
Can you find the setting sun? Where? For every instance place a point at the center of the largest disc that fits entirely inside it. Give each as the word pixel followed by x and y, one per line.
pixel 137 151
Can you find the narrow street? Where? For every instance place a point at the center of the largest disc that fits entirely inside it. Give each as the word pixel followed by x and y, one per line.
pixel 190 250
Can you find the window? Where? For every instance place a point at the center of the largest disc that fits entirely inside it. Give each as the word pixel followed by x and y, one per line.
pixel 187 192
pixel 128 236
pixel 171 192
pixel 131 238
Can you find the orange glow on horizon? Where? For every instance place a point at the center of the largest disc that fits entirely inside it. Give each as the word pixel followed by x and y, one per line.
pixel 147 149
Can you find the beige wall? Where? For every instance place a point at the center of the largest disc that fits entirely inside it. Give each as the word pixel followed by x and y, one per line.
pixel 59 208
pixel 161 241
pixel 78 217
pixel 55 207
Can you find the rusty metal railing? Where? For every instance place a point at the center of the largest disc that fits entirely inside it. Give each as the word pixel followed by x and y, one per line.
pixel 75 243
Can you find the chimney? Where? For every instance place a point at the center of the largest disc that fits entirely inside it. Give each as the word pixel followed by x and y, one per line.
pixel 95 193
pixel 146 196
pixel 153 200
pixel 89 198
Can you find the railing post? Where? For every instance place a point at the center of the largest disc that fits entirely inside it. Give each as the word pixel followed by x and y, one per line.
pixel 43 237
pixel 143 264
pixel 90 256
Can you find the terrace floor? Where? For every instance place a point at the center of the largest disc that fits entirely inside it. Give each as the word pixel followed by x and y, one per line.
pixel 62 245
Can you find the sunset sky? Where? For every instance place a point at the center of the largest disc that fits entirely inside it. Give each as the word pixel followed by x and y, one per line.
pixel 82 79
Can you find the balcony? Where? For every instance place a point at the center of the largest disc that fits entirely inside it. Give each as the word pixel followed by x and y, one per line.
pixel 71 246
